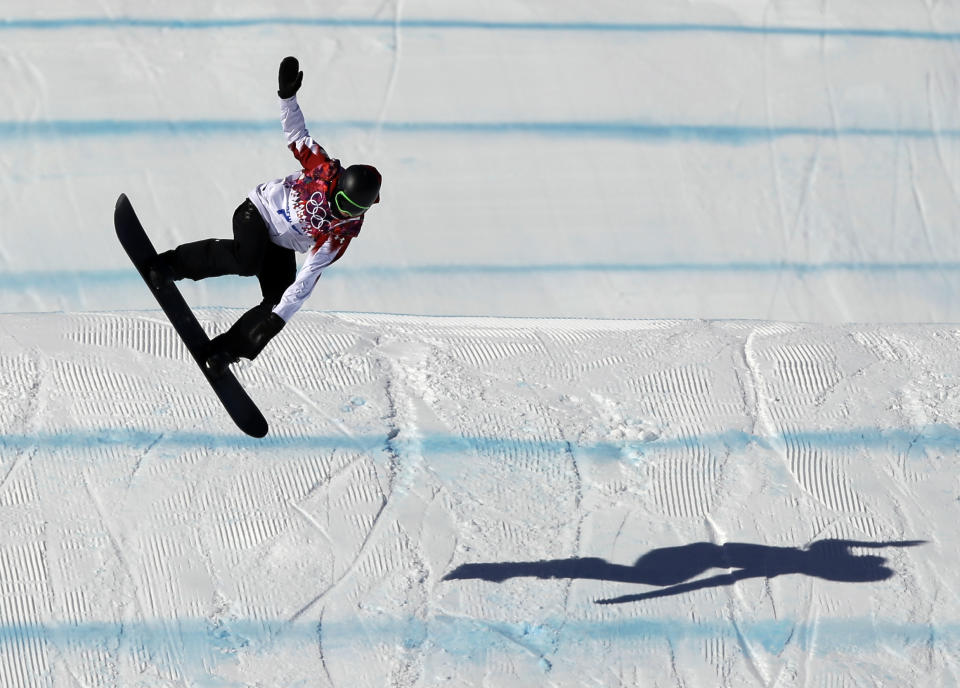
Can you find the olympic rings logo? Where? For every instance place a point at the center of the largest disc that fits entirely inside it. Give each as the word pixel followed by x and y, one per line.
pixel 316 210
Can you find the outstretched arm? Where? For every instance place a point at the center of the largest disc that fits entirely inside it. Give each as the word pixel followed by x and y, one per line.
pixel 296 294
pixel 711 582
pixel 308 152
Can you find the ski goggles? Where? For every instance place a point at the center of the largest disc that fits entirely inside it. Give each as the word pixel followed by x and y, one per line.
pixel 346 207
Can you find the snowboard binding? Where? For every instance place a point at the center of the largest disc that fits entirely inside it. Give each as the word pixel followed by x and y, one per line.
pixel 218 362
pixel 160 273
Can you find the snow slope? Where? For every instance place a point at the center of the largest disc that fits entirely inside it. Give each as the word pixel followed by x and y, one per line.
pixel 778 160
pixel 684 466
pixel 467 501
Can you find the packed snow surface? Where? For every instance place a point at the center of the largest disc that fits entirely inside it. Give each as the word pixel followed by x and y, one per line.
pixel 481 501
pixel 636 427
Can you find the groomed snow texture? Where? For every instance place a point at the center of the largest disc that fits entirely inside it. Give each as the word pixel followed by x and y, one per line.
pixel 642 373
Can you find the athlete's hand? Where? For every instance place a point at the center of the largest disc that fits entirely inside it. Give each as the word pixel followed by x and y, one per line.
pixel 290 77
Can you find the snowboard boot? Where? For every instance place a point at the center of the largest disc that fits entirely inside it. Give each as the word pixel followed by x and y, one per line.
pixel 161 272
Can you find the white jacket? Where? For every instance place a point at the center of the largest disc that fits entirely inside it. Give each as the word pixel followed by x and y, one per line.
pixel 297 210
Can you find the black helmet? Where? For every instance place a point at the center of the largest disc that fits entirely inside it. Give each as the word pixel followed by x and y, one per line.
pixel 358 188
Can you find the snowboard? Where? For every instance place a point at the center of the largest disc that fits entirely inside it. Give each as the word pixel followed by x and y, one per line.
pixel 228 389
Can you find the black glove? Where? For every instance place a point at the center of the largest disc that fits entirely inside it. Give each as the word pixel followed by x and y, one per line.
pixel 290 77
pixel 248 335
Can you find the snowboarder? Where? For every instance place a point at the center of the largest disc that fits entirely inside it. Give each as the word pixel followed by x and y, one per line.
pixel 319 210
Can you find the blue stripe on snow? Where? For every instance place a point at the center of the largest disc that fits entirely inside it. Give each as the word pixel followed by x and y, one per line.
pixel 940 438
pixel 66 281
pixel 718 134
pixel 473 638
pixel 682 267
pixel 69 23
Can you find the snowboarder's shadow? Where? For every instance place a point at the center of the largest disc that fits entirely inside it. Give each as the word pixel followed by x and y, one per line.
pixel 672 568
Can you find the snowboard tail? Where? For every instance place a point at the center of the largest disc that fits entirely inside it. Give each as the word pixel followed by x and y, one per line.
pixel 228 389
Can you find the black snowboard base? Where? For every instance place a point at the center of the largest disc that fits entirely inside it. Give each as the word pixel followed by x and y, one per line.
pixel 231 393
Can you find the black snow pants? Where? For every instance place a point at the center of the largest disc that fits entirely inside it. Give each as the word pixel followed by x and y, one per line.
pixel 249 253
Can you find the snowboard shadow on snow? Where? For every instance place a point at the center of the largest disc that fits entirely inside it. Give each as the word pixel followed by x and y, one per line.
pixel 672 568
